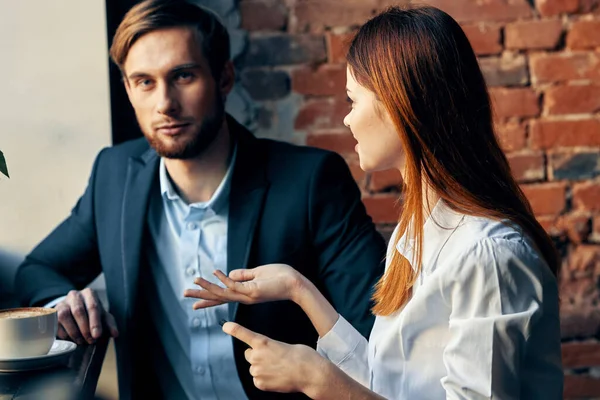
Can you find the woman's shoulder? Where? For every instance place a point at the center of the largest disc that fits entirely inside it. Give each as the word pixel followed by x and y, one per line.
pixel 486 243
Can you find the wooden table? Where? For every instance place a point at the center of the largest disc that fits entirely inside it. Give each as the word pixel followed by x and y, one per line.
pixel 75 381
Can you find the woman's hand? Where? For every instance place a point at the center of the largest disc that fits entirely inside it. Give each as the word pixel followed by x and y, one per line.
pixel 249 286
pixel 277 366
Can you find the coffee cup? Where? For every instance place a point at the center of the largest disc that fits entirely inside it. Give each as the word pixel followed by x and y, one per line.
pixel 27 332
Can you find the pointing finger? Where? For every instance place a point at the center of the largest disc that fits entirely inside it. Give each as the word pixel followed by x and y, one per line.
pixel 247 336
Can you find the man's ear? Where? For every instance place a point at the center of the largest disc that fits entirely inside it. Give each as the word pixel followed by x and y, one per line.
pixel 227 78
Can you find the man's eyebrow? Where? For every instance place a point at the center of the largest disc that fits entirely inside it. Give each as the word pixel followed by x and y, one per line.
pixel 135 75
pixel 348 90
pixel 185 66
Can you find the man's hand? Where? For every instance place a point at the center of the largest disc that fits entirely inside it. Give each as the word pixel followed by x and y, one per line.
pixel 82 317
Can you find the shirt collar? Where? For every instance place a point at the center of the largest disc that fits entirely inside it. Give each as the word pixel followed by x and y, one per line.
pixel 438 228
pixel 217 201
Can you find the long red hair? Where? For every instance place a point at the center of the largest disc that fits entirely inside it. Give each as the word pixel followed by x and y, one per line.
pixel 419 63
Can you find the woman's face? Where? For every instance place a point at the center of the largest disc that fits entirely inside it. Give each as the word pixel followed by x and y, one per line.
pixel 379 146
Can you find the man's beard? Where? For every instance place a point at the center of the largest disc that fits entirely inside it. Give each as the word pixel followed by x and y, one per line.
pixel 195 143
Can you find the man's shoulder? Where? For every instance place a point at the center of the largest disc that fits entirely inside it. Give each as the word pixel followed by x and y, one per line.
pixel 117 156
pixel 111 163
pixel 290 153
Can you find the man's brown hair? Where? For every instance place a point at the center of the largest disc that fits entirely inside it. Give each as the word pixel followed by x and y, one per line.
pixel 152 15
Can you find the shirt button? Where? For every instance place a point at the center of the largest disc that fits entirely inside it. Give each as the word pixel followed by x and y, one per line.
pixel 191 226
pixel 196 322
pixel 200 370
pixel 190 271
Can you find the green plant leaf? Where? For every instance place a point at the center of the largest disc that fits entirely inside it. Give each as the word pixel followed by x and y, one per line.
pixel 3 168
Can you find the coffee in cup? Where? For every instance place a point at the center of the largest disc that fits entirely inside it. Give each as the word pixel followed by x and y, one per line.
pixel 27 332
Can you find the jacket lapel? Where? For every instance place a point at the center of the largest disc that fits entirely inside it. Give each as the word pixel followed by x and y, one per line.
pixel 248 188
pixel 141 178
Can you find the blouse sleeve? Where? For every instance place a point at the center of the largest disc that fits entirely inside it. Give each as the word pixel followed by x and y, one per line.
pixel 347 349
pixel 495 292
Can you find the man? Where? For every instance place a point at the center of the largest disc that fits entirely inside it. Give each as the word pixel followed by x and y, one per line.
pixel 199 193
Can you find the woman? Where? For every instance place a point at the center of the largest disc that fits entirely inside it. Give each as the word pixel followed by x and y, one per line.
pixel 468 306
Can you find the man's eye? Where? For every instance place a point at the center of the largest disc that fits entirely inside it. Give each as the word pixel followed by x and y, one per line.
pixel 144 82
pixel 184 76
pixel 349 100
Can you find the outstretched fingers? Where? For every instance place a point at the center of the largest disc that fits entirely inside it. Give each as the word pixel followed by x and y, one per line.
pixel 220 293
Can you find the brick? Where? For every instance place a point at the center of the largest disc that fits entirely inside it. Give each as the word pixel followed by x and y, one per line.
pixel 325 80
pixel 573 228
pixel 511 136
pixel 515 102
pixel 580 297
pixel 340 141
pixel 384 180
pixel 574 165
pixel 507 70
pixel 586 196
pixel 268 15
pixel 316 15
pixel 578 321
pixel 548 222
pixel 282 49
pixel 547 134
pixel 484 38
pixel 584 34
pixel 583 261
pixel 576 226
pixel 581 354
pixel 265 84
pixel 522 35
pixel 595 235
pixel 321 113
pixel 264 118
pixel 546 198
pixel 489 10
pixel 382 5
pixel 527 167
pixel 559 67
pixel 382 208
pixel 588 6
pixel 548 8
pixel 572 99
pixel 337 46
pixel 579 386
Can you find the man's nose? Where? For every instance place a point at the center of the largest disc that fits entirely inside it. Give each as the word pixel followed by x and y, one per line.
pixel 168 103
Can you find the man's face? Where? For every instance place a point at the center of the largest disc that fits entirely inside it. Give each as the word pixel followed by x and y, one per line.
pixel 178 104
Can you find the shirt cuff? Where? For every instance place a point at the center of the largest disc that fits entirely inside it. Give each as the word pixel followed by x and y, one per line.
pixel 340 342
pixel 55 302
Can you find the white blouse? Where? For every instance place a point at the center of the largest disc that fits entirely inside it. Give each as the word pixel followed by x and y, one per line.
pixel 482 322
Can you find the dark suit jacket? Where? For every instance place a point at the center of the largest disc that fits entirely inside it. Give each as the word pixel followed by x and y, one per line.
pixel 288 204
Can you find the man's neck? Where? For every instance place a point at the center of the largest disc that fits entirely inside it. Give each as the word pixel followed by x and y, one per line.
pixel 197 179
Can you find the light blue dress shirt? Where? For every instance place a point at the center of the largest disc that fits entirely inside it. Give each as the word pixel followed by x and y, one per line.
pixel 189 241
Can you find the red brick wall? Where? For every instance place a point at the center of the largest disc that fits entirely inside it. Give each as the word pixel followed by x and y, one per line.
pixel 542 62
